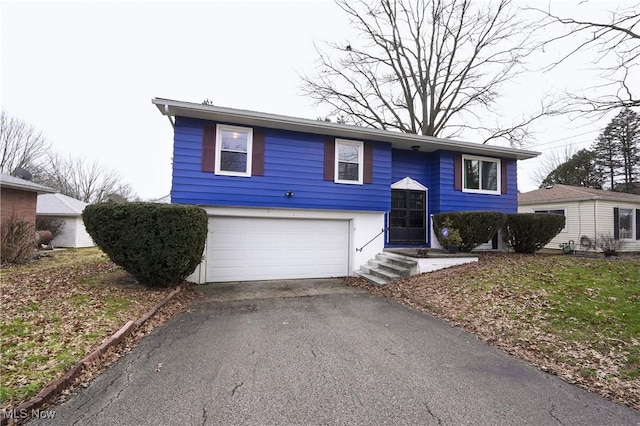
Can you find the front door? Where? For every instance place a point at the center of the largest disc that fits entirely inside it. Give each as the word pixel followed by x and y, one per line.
pixel 408 217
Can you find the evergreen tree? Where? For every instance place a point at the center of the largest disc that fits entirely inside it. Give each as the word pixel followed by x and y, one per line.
pixel 607 154
pixel 627 133
pixel 581 169
pixel 617 149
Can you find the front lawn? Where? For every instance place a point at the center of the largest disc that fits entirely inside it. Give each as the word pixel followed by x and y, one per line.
pixel 578 318
pixel 55 311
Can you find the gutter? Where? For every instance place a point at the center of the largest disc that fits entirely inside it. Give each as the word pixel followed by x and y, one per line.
pixel 399 140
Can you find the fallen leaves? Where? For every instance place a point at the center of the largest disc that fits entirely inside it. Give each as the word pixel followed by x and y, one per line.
pixel 543 309
pixel 57 311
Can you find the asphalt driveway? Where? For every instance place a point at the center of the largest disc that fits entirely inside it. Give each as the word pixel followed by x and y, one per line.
pixel 316 352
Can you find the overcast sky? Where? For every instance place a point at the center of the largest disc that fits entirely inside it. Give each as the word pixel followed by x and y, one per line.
pixel 85 73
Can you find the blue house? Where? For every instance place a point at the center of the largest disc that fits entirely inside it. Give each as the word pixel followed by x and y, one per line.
pixel 298 198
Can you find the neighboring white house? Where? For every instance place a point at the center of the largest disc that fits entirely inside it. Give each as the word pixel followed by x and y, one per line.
pixel 69 210
pixel 589 212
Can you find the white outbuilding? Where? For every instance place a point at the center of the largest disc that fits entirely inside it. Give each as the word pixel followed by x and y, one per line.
pixel 69 210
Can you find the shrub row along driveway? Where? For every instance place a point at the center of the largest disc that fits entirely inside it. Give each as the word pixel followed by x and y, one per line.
pixel 347 358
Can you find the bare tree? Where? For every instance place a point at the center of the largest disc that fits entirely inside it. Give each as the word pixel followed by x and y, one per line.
pixel 615 41
pixel 429 67
pixel 89 182
pixel 21 145
pixel 553 161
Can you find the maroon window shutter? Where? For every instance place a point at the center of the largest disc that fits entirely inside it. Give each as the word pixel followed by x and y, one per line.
pixel 503 176
pixel 457 172
pixel 616 223
pixel 209 148
pixel 257 156
pixel 637 224
pixel 367 176
pixel 329 158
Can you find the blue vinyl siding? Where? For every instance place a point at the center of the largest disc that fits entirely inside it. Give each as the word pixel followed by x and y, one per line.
pixel 416 165
pixel 445 198
pixel 292 162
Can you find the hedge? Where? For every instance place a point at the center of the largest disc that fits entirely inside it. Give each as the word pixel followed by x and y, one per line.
pixel 475 227
pixel 159 244
pixel 529 232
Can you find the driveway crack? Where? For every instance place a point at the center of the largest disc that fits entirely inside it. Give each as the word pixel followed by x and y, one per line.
pixel 204 415
pixel 233 391
pixel 286 284
pixel 552 414
pixel 432 414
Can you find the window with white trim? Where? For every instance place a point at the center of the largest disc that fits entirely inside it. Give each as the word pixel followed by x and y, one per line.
pixel 349 162
pixel 480 175
pixel 233 150
pixel 625 224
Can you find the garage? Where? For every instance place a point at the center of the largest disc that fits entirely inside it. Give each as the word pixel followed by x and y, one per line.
pixel 249 249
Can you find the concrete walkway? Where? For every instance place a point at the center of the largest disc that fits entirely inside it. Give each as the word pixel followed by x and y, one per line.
pixel 260 354
pixel 276 288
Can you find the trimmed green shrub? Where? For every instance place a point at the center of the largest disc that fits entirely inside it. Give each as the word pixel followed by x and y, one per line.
pixel 159 244
pixel 529 232
pixel 449 239
pixel 475 227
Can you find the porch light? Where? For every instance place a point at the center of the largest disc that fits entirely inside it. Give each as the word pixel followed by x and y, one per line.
pixel 416 147
pixel 288 194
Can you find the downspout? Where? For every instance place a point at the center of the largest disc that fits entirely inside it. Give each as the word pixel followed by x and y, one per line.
pixel 579 217
pixel 595 221
pixel 166 112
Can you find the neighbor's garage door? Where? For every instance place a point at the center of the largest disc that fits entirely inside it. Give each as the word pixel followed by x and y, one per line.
pixel 246 249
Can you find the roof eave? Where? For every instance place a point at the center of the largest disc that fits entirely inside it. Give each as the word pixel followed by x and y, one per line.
pixel 28 189
pixel 565 200
pixel 398 140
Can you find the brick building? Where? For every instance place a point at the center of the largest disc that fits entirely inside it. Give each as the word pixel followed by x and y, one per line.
pixel 19 197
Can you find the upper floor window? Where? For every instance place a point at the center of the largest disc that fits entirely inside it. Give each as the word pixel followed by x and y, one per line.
pixel 349 161
pixel 480 174
pixel 233 150
pixel 625 224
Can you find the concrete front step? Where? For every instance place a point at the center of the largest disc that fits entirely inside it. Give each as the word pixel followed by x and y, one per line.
pixel 379 272
pixel 376 281
pixel 386 267
pixel 396 260
pixel 391 267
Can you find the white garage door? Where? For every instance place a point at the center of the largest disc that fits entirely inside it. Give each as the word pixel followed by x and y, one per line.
pixel 246 249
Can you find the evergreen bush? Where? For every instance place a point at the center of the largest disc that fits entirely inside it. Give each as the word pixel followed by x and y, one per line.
pixel 529 232
pixel 159 244
pixel 475 227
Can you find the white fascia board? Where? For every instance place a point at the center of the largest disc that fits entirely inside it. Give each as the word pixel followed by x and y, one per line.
pixel 398 140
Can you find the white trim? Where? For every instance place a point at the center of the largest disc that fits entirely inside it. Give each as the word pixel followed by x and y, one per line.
pixel 360 146
pixel 249 132
pixel 633 223
pixel 363 227
pixel 410 184
pixel 498 162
